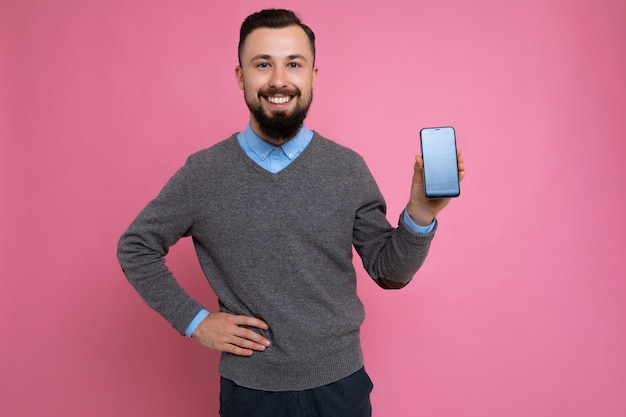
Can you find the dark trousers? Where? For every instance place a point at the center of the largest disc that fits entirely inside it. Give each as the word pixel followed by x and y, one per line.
pixel 348 397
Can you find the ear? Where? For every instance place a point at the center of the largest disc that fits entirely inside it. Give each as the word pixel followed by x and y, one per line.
pixel 239 76
pixel 313 76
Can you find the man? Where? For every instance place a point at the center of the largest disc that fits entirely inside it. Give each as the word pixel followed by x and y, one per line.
pixel 274 212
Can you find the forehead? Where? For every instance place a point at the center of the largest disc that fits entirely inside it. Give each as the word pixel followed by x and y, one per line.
pixel 282 42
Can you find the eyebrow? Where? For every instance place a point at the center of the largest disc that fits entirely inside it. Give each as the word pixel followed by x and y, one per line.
pixel 269 57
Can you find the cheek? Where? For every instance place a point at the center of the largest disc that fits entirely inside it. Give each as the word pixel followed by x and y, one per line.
pixel 305 83
pixel 250 94
pixel 252 85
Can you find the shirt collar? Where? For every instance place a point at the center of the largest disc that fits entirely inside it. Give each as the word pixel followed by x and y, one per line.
pixel 292 148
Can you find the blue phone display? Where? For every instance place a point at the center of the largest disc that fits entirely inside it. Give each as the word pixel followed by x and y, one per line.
pixel 441 175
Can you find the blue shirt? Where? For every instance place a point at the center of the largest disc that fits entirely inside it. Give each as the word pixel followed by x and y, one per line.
pixel 275 158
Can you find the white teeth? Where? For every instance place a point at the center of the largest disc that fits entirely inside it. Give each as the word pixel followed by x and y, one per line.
pixel 278 100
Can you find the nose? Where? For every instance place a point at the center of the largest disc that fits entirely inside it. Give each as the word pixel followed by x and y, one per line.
pixel 278 78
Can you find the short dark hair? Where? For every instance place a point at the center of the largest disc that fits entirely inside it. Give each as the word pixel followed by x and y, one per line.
pixel 273 19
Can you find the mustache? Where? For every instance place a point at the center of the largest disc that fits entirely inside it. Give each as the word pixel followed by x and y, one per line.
pixel 271 91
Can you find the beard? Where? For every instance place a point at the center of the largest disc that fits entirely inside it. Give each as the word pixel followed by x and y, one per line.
pixel 280 125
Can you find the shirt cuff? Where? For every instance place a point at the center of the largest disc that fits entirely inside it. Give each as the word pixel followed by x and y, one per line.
pixel 415 228
pixel 203 314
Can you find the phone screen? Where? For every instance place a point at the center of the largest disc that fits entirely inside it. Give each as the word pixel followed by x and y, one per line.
pixel 441 175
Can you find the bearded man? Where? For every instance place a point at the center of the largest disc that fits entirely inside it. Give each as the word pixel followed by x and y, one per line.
pixel 274 213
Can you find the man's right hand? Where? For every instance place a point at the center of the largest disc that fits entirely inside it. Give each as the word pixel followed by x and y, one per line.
pixel 223 332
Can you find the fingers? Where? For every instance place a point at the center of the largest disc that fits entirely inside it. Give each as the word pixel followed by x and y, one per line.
pixel 240 340
pixel 248 321
pixel 461 165
pixel 421 209
pixel 241 346
pixel 247 338
pixel 419 164
pixel 417 171
pixel 225 332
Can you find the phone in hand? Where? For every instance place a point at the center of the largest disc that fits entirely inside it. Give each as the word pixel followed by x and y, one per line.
pixel 441 173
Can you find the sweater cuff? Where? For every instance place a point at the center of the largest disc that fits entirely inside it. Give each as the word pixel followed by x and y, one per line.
pixel 186 313
pixel 414 227
pixel 416 238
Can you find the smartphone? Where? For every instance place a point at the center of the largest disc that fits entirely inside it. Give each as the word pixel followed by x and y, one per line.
pixel 441 173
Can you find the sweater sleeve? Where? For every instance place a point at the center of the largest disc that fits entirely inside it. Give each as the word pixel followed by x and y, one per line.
pixel 142 249
pixel 391 256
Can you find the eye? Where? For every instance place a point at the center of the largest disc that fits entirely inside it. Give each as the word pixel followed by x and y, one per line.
pixel 294 65
pixel 262 65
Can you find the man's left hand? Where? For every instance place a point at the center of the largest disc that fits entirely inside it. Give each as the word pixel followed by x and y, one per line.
pixel 423 210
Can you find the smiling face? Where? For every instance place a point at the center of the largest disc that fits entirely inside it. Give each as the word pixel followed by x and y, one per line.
pixel 277 75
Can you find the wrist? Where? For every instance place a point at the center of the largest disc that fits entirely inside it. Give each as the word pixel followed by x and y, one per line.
pixel 203 314
pixel 420 216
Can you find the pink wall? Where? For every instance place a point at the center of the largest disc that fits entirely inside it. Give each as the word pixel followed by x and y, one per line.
pixel 519 311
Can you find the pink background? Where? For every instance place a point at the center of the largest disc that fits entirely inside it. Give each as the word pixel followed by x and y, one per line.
pixel 519 310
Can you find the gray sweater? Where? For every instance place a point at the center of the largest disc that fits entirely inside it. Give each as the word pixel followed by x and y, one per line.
pixel 277 247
